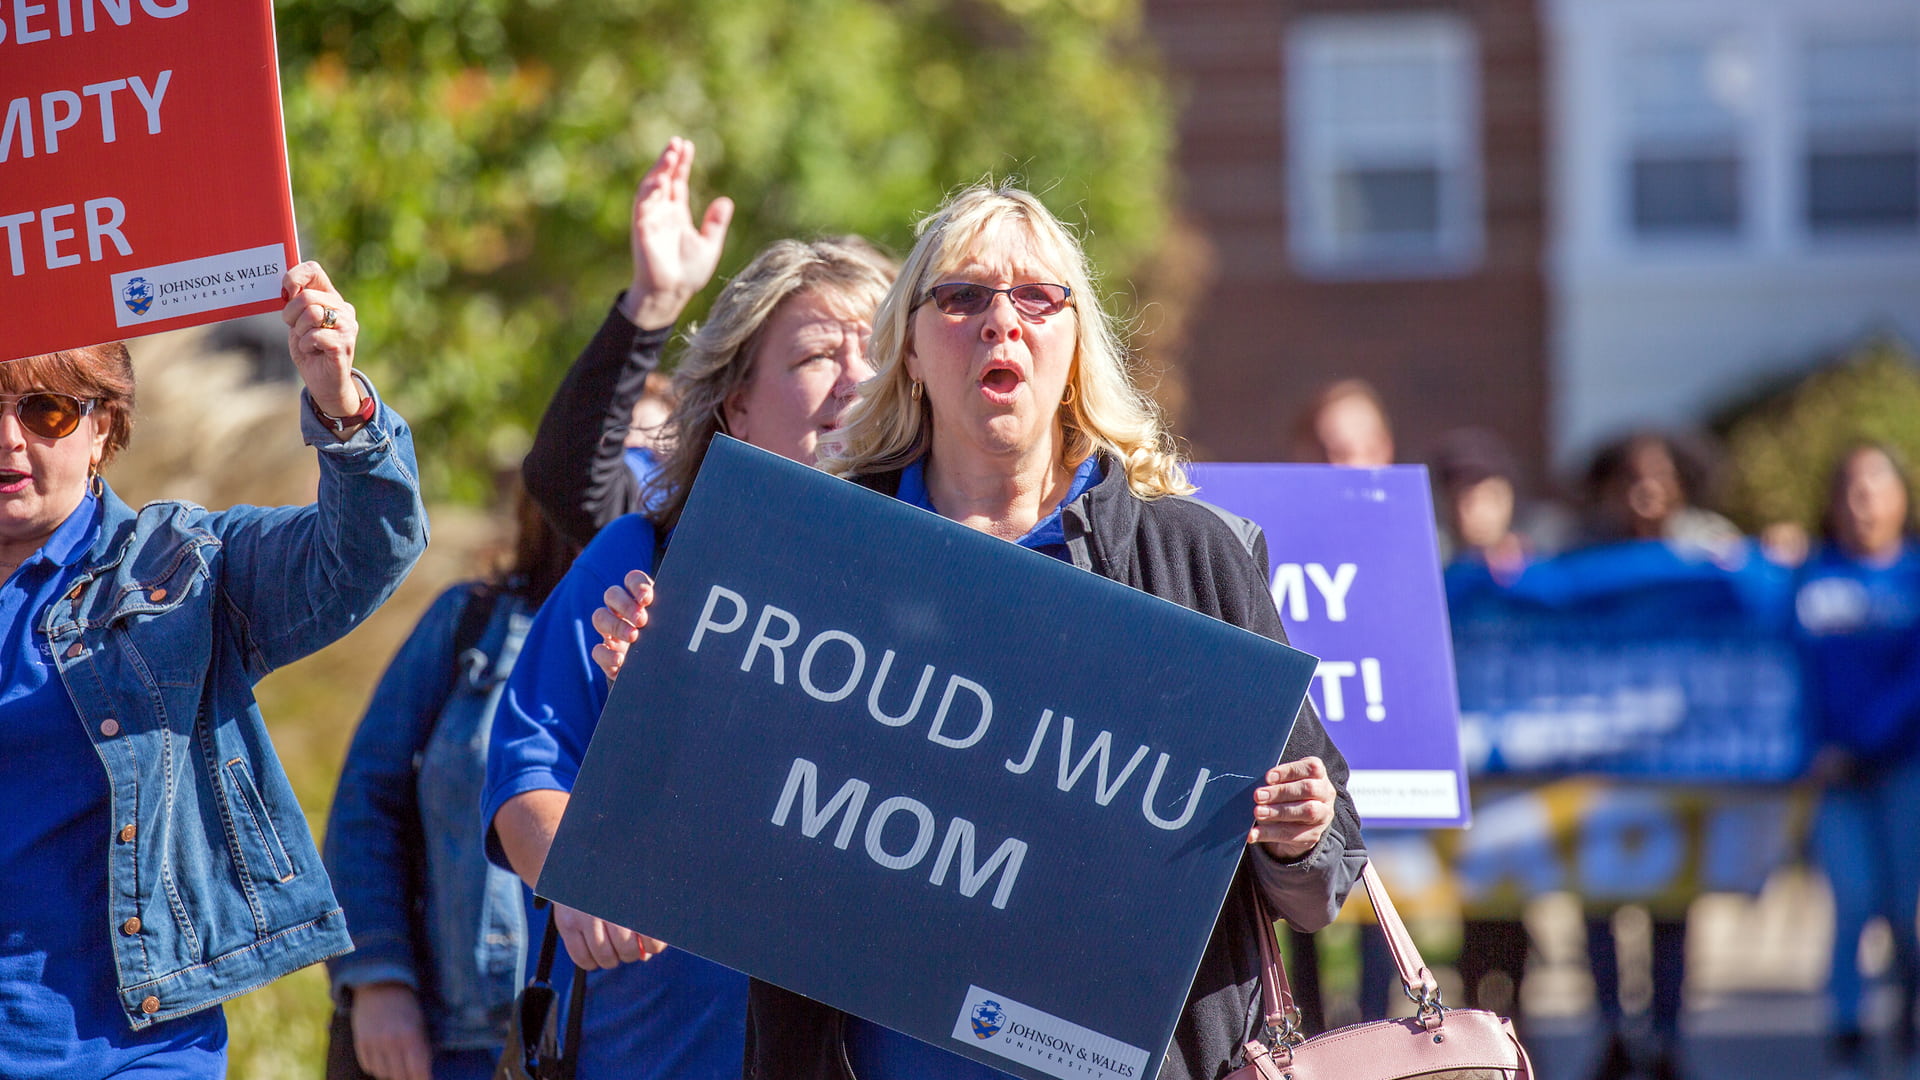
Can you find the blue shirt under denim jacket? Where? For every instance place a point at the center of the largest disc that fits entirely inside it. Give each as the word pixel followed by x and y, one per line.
pixel 176 613
pixel 59 1016
pixel 404 843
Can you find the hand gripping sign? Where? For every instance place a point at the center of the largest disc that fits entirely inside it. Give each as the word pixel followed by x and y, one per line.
pixel 923 775
pixel 143 168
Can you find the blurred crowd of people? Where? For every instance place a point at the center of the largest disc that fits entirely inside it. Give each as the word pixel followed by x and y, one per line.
pixel 1855 621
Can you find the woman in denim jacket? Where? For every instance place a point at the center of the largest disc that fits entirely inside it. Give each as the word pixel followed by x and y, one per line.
pixel 154 859
pixel 438 932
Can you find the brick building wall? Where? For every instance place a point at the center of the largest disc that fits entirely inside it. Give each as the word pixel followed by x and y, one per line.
pixel 1444 349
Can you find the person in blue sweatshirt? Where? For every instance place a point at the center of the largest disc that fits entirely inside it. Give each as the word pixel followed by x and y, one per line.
pixel 1857 616
pixel 775 364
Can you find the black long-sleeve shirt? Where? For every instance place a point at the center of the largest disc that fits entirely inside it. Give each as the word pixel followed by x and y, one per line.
pixel 576 470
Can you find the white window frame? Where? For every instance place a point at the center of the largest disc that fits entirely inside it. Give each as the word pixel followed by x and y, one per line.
pixel 1587 60
pixel 1627 152
pixel 1809 32
pixel 1315 152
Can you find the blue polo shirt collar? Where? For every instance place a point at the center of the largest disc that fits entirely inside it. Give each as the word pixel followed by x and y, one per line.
pixel 1046 533
pixel 74 536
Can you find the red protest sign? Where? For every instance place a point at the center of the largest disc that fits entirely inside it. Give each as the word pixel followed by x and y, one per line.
pixel 143 169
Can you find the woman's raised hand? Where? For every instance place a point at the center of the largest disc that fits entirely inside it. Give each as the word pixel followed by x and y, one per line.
pixel 321 331
pixel 620 621
pixel 672 258
pixel 1293 808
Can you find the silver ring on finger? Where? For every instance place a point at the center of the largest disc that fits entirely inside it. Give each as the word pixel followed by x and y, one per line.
pixel 329 318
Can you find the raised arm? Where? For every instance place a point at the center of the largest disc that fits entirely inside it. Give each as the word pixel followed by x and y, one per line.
pixel 302 576
pixel 576 469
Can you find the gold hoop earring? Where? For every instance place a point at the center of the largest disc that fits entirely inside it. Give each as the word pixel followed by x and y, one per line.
pixel 1066 399
pixel 918 389
pixel 95 485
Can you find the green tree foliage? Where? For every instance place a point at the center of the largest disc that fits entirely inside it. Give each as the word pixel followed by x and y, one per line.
pixel 1781 451
pixel 465 168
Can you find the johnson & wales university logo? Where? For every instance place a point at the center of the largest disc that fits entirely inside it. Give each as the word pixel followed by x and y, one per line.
pixel 988 1019
pixel 137 295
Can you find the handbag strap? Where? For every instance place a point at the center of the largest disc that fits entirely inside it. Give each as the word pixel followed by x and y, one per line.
pixel 576 1008
pixel 567 1063
pixel 1276 993
pixel 1415 976
pixel 549 942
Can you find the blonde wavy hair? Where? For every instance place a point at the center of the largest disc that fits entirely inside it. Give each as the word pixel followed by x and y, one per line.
pixel 1104 410
pixel 718 360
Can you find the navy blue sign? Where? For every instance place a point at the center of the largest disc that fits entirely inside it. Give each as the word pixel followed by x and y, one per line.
pixel 1356 574
pixel 1635 659
pixel 953 786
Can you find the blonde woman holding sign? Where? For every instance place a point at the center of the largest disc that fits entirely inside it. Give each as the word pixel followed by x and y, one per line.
pixel 1002 400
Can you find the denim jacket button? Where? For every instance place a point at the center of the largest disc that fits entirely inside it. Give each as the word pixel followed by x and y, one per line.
pixel 109 727
pixel 75 649
pixel 150 1006
pixel 126 834
pixel 157 595
pixel 131 926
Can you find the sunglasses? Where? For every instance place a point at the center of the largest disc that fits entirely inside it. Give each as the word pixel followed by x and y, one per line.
pixel 47 414
pixel 1036 300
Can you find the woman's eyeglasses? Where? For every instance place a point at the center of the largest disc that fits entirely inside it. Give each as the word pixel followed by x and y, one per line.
pixel 47 414
pixel 1036 300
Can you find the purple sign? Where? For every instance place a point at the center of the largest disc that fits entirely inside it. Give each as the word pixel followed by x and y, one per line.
pixel 1356 576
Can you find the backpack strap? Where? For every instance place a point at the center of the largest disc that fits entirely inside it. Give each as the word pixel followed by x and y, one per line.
pixel 468 629
pixel 474 617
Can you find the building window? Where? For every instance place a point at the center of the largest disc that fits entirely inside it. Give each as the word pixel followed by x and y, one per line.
pixel 1383 139
pixel 1861 99
pixel 1685 158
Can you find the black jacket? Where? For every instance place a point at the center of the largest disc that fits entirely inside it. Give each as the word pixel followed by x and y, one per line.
pixel 577 470
pixel 1203 558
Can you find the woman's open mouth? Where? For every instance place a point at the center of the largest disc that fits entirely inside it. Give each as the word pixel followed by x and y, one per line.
pixel 13 481
pixel 1000 384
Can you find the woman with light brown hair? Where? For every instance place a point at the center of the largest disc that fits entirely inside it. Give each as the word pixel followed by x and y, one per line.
pixel 776 364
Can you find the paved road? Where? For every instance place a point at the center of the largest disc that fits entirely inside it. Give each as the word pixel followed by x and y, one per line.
pixel 1743 1037
pixel 1755 976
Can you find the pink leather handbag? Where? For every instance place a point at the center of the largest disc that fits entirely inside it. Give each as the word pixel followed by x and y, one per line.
pixel 1436 1044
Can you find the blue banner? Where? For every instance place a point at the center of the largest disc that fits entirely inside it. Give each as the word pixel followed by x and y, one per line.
pixel 1356 575
pixel 923 775
pixel 1635 660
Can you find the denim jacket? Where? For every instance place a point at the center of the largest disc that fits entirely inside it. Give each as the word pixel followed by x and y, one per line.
pixel 214 886
pixel 404 839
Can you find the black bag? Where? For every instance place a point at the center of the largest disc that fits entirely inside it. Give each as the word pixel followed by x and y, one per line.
pixel 534 1048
